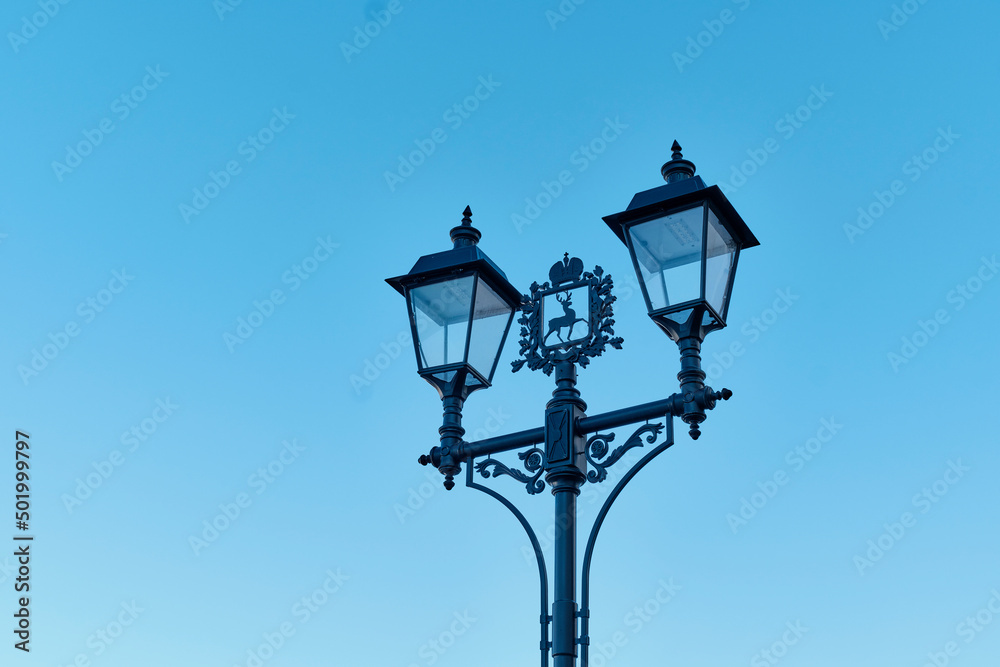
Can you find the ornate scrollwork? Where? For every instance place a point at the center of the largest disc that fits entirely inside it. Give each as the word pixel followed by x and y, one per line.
pixel 597 448
pixel 534 463
pixel 566 276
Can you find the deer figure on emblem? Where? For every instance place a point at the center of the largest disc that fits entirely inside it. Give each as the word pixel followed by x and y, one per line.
pixel 567 320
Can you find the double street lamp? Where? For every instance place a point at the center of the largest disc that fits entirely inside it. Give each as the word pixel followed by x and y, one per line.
pixel 684 239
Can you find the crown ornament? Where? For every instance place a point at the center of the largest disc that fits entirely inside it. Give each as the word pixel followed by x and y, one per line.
pixel 566 271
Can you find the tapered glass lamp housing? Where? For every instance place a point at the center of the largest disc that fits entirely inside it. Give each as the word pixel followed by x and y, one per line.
pixel 461 306
pixel 684 240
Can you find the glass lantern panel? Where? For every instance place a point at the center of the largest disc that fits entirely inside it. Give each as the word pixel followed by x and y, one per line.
pixel 681 316
pixel 721 254
pixel 668 255
pixel 441 315
pixel 444 376
pixel 472 382
pixel 490 319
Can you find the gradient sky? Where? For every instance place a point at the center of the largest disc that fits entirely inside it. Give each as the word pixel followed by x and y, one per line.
pixel 171 169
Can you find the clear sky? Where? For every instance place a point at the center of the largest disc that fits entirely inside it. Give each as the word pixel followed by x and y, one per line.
pixel 200 202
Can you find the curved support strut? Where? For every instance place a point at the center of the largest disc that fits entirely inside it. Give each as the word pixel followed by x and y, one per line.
pixel 543 617
pixel 598 522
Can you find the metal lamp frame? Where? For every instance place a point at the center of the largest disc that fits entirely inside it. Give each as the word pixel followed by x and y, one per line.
pixel 573 448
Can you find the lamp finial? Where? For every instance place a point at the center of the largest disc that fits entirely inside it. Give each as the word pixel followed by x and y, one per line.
pixel 678 168
pixel 465 234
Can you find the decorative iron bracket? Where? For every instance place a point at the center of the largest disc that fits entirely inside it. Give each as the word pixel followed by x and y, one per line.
pixel 534 462
pixel 597 448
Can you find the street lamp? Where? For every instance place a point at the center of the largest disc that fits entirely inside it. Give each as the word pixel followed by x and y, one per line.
pixel 684 239
pixel 461 306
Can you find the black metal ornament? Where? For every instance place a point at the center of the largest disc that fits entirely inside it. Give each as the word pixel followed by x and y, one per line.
pixel 547 341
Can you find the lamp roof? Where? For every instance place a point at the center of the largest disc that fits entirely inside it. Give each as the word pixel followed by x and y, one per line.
pixel 683 188
pixel 463 257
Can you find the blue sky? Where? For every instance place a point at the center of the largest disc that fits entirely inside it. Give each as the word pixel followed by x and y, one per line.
pixel 201 201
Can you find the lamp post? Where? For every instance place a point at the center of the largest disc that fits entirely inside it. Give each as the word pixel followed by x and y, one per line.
pixel 684 239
